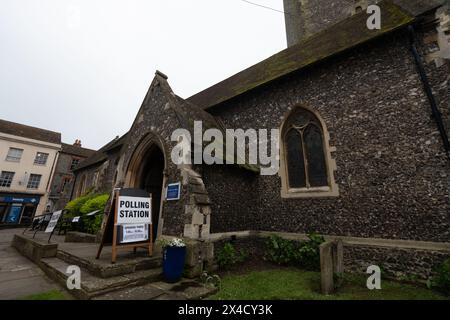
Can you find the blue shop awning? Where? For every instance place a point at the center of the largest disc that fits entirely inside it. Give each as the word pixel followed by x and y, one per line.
pixel 20 199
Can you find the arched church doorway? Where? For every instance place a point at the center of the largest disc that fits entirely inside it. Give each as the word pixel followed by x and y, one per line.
pixel 149 177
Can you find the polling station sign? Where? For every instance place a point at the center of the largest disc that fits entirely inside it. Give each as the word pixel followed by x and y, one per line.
pixel 128 224
pixel 134 210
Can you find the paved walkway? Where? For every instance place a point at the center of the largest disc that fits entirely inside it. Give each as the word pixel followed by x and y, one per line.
pixel 19 276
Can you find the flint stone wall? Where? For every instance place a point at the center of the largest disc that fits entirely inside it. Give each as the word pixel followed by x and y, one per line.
pixel 392 171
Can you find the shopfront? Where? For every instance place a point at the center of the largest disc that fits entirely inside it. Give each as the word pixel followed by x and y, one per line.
pixel 17 209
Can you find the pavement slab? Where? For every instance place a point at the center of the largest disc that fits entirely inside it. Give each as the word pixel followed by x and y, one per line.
pixel 147 292
pixel 19 276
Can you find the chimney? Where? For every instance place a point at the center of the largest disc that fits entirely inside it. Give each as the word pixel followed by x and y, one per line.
pixel 77 143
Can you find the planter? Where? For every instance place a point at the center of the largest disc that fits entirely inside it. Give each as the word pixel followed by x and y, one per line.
pixel 173 263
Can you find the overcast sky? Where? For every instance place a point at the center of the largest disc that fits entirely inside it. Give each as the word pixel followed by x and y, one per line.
pixel 83 67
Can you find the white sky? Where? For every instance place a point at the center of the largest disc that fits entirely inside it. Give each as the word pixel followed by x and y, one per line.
pixel 83 67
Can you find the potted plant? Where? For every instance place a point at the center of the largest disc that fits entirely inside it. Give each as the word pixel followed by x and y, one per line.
pixel 174 256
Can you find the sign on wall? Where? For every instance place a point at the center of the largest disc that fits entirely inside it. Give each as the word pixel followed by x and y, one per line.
pixel 53 221
pixel 173 191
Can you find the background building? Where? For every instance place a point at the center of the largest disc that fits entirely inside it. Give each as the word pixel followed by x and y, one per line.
pixel 308 17
pixel 28 158
pixel 98 173
pixel 63 179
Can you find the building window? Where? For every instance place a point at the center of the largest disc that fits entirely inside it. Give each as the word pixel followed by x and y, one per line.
pixel 34 181
pixel 65 182
pixel 14 155
pixel 307 165
pixel 41 158
pixel 75 162
pixel 80 189
pixel 6 179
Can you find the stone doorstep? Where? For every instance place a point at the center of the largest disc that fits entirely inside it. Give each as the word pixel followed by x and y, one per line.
pixel 140 285
pixel 186 289
pixel 92 286
pixel 108 270
pixel 183 290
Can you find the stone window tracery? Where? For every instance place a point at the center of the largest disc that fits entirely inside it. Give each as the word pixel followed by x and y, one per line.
pixel 307 164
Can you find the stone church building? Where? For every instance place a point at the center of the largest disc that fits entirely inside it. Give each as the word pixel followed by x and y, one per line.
pixel 363 118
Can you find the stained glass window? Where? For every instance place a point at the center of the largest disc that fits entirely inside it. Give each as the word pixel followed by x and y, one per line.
pixel 305 152
pixel 296 163
pixel 317 168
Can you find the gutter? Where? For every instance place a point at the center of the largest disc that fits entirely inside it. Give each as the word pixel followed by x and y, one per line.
pixel 428 90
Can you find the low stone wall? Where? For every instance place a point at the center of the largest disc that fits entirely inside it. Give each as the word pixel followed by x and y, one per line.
pixel 33 249
pixel 252 245
pixel 199 258
pixel 397 263
pixel 398 259
pixel 79 237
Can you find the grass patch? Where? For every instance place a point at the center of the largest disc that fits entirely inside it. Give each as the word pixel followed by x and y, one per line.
pixel 50 295
pixel 294 284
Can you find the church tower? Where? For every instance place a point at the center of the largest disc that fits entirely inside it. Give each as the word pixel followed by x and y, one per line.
pixel 304 18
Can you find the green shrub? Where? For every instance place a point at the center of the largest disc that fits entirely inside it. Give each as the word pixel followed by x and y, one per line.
pixel 84 205
pixel 228 256
pixel 73 207
pixel 281 251
pixel 92 226
pixel 309 252
pixel 442 279
pixel 96 203
pixel 304 254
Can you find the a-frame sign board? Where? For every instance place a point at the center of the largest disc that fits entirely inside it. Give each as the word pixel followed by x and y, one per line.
pixel 129 223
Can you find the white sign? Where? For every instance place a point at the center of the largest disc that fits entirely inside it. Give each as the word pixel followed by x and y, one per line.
pixel 134 233
pixel 53 221
pixel 92 213
pixel 76 219
pixel 133 210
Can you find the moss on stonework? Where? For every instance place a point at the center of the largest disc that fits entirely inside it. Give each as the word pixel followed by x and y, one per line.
pixel 342 36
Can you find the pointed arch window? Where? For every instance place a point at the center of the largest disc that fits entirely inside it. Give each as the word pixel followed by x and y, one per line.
pixel 307 161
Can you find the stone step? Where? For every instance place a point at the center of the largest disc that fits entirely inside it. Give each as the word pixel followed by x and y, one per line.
pixel 183 290
pixel 105 269
pixel 93 286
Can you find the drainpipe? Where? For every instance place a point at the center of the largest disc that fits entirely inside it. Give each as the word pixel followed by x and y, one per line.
pixel 426 84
